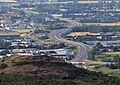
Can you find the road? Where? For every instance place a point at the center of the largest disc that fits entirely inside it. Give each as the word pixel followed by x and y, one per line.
pixel 79 59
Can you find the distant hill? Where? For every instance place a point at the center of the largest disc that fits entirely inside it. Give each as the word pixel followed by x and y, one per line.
pixel 45 70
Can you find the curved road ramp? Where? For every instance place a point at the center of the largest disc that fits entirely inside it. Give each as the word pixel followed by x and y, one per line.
pixel 79 59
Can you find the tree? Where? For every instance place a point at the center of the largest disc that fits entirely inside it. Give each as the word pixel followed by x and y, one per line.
pixel 2 66
pixel 99 45
pixel 91 56
pixel 61 45
pixel 112 66
pixel 117 61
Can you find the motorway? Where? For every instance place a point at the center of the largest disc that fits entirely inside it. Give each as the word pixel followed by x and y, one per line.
pixel 79 59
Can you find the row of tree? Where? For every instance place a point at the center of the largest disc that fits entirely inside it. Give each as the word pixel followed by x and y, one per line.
pixel 116 64
pixel 96 29
pixel 95 51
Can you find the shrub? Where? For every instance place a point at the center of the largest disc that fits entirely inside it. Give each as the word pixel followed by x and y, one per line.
pixel 2 66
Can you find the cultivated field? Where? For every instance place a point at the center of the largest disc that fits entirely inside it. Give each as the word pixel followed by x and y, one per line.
pixel 56 15
pixel 112 53
pixel 81 34
pixel 24 30
pixel 104 24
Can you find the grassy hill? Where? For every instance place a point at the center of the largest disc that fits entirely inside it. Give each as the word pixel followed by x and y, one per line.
pixel 44 70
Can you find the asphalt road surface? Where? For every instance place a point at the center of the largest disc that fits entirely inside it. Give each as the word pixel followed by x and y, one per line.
pixel 79 59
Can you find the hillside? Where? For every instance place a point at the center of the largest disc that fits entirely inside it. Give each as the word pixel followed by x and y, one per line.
pixel 44 70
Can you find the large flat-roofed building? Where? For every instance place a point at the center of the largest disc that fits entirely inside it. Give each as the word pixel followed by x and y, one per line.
pixel 9 35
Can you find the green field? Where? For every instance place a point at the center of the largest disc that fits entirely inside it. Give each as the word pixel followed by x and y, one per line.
pixel 116 75
pixel 111 72
pixel 106 70
pixel 104 56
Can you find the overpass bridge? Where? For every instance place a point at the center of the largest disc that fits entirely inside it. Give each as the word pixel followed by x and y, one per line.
pixel 79 64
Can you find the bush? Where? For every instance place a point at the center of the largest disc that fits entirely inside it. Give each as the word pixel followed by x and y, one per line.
pixel 2 66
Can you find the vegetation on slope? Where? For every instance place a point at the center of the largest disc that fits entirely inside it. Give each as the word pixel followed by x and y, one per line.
pixel 45 70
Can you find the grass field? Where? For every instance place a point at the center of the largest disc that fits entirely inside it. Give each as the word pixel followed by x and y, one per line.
pixel 94 63
pixel 111 72
pixel 116 75
pixel 81 33
pixel 107 70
